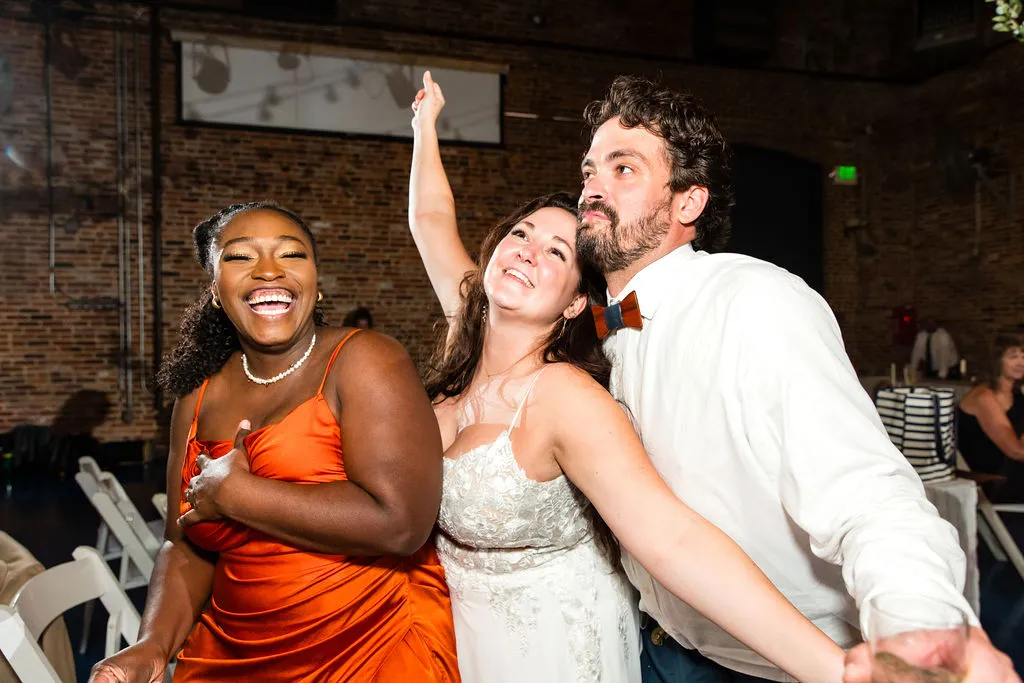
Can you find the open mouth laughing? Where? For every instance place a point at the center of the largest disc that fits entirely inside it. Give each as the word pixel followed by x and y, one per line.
pixel 270 302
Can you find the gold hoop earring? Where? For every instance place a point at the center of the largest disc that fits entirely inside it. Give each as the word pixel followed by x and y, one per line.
pixel 214 302
pixel 565 321
pixel 319 296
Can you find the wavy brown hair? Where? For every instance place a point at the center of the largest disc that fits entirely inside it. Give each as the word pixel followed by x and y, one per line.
pixel 694 145
pixel 455 360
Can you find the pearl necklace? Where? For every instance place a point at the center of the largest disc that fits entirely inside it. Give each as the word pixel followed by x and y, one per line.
pixel 281 375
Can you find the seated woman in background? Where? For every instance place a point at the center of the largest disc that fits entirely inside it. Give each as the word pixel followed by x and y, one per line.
pixel 264 577
pixel 991 419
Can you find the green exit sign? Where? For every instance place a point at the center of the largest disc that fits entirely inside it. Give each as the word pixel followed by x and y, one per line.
pixel 844 175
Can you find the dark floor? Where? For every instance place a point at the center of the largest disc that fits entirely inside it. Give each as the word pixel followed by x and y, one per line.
pixel 52 518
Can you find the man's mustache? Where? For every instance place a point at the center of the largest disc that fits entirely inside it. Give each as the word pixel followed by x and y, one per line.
pixel 600 207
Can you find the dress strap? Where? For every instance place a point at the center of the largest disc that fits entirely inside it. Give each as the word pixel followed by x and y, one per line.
pixel 195 416
pixel 522 403
pixel 330 363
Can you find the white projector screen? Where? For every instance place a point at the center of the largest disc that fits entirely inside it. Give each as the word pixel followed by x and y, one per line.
pixel 222 82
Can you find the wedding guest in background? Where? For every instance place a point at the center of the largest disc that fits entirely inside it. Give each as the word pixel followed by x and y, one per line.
pixel 934 354
pixel 359 317
pixel 990 427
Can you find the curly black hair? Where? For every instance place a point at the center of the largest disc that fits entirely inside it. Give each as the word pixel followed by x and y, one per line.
pixel 695 147
pixel 207 338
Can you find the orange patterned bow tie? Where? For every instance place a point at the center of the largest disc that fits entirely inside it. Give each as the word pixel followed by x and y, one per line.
pixel 626 313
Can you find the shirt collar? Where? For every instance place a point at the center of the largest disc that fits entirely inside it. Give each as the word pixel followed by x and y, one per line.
pixel 652 283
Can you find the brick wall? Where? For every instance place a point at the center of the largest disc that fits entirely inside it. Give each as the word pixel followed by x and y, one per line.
pixel 953 253
pixel 355 189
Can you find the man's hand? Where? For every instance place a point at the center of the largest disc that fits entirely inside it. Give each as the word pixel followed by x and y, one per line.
pixel 982 662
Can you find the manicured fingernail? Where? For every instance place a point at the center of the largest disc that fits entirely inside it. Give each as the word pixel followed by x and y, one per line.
pixel 244 424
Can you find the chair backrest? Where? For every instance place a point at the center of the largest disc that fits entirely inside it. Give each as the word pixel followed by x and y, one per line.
pixel 46 596
pixel 90 466
pixel 991 514
pixel 130 512
pixel 160 503
pixel 92 480
pixel 125 532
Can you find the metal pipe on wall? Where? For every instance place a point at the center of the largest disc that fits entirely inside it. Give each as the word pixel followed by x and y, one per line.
pixel 129 366
pixel 47 89
pixel 137 102
pixel 124 269
pixel 118 173
pixel 156 209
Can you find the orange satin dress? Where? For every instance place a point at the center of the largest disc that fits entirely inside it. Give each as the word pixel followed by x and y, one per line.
pixel 280 613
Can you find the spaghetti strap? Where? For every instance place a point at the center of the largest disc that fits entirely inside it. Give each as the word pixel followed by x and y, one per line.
pixel 330 363
pixel 199 402
pixel 519 410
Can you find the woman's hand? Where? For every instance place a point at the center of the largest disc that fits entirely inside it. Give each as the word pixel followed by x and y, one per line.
pixel 428 103
pixel 205 492
pixel 140 663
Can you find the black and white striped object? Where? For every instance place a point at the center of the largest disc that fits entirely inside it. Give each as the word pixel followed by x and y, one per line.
pixel 921 422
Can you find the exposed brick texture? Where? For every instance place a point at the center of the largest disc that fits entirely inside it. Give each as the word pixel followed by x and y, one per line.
pixel 355 189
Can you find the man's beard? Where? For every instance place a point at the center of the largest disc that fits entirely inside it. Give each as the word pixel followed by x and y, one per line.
pixel 619 246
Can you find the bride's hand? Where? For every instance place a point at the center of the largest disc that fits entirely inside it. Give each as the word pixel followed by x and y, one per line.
pixel 428 103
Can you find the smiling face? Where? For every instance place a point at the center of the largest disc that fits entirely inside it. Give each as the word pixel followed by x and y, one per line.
pixel 1012 364
pixel 533 270
pixel 265 278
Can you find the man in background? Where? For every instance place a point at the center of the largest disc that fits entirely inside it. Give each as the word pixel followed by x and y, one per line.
pixel 934 354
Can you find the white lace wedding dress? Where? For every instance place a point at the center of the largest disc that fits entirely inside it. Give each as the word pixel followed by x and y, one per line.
pixel 534 597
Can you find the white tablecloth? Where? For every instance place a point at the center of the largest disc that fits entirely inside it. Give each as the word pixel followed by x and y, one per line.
pixel 957 503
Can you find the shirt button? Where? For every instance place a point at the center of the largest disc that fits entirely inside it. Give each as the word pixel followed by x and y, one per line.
pixel 658 636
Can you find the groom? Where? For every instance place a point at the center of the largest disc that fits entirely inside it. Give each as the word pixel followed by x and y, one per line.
pixel 744 397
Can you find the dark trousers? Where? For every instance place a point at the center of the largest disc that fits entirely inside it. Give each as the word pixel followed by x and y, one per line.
pixel 663 660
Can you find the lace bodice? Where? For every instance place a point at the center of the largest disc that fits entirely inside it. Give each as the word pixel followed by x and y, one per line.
pixel 499 518
pixel 534 597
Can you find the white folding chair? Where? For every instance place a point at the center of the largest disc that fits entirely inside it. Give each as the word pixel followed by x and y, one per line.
pixel 139 545
pixel 106 544
pixel 160 503
pixel 992 529
pixel 150 533
pixel 46 596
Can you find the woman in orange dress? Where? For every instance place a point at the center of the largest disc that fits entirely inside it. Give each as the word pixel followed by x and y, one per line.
pixel 263 576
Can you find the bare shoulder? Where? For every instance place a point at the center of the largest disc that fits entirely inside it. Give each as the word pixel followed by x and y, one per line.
pixel 368 359
pixel 980 399
pixel 367 347
pixel 183 411
pixel 565 390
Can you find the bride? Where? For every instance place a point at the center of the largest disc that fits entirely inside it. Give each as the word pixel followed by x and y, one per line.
pixel 534 445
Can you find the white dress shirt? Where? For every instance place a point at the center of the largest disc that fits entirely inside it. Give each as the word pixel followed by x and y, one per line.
pixel 944 353
pixel 748 406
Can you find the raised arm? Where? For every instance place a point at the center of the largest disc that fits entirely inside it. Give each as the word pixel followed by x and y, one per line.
pixel 392 454
pixel 997 426
pixel 181 584
pixel 432 206
pixel 683 551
